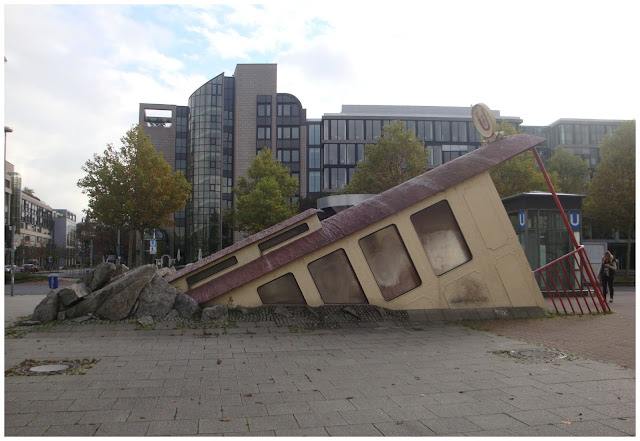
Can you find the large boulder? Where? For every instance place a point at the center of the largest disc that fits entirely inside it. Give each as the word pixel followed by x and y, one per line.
pixel 47 309
pixel 186 306
pixel 163 272
pixel 119 305
pixel 72 294
pixel 130 284
pixel 156 299
pixel 99 277
pixel 215 313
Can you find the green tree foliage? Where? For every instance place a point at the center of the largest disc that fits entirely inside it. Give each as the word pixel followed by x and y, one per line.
pixel 572 171
pixel 611 198
pixel 397 157
pixel 133 186
pixel 263 199
pixel 30 191
pixel 519 174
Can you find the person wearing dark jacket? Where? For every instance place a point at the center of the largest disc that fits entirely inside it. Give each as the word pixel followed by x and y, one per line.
pixel 607 273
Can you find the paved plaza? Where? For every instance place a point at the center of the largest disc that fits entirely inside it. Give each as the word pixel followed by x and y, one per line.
pixel 359 379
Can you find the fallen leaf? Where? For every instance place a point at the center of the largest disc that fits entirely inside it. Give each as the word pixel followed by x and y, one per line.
pixel 400 422
pixel 248 395
pixel 142 418
pixel 349 398
pixel 225 419
pixel 320 370
pixel 568 422
pixel 422 395
pixel 219 361
pixel 213 388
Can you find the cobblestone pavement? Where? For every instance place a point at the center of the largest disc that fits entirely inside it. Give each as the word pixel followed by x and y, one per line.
pixel 370 378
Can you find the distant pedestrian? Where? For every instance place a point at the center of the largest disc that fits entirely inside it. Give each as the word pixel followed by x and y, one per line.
pixel 607 273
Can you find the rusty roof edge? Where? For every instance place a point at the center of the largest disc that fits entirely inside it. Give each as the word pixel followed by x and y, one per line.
pixel 244 243
pixel 373 210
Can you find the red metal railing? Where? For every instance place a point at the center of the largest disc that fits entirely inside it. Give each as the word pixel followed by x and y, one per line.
pixel 577 261
pixel 572 285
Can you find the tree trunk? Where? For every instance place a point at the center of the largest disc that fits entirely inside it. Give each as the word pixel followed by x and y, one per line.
pixel 628 252
pixel 141 257
pixel 132 248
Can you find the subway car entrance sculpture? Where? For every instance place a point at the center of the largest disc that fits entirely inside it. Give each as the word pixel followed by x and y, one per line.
pixel 440 241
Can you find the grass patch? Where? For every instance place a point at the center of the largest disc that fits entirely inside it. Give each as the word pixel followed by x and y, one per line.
pixel 24 277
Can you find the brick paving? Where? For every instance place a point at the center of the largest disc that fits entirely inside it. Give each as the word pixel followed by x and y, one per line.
pixel 605 337
pixel 360 379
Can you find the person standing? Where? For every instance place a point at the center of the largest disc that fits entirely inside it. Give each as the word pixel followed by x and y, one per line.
pixel 607 273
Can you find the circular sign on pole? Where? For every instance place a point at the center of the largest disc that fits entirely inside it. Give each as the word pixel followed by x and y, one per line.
pixel 484 120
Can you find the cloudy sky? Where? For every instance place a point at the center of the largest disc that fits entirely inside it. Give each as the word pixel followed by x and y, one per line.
pixel 75 74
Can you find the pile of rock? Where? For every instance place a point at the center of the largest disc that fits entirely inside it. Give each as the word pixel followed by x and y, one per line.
pixel 113 292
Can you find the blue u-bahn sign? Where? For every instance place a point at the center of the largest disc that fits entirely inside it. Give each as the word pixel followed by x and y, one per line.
pixel 575 219
pixel 522 219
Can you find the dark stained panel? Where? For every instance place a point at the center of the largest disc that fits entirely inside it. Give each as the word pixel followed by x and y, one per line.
pixel 335 279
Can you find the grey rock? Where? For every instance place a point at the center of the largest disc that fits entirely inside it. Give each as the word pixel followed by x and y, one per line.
pixel 61 316
pixel 47 309
pixel 99 277
pixel 120 304
pixel 156 299
pixel 173 314
pixel 146 320
pixel 186 306
pixel 73 294
pixel 166 271
pixel 243 310
pixel 139 276
pixel 84 318
pixel 102 275
pixel 120 269
pixel 215 313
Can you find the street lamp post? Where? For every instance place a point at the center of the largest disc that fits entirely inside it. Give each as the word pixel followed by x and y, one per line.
pixel 12 227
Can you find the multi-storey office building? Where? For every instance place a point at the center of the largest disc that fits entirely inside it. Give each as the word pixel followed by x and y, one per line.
pixel 579 136
pixel 229 119
pixel 65 238
pixel 448 132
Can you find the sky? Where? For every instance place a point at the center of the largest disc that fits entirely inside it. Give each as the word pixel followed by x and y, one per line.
pixel 75 74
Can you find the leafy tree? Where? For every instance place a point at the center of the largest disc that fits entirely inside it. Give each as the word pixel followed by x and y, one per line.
pixel 133 186
pixel 397 157
pixel 519 174
pixel 30 191
pixel 263 200
pixel 611 198
pixel 572 170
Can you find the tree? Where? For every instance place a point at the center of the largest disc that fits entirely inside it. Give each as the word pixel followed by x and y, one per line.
pixel 30 191
pixel 519 174
pixel 397 157
pixel 611 198
pixel 572 170
pixel 133 186
pixel 263 200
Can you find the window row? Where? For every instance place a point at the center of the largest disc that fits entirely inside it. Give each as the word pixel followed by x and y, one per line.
pixel 337 282
pixel 453 131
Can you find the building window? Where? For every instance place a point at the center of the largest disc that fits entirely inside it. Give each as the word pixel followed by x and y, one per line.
pixel 264 109
pixel 335 279
pixel 264 132
pixel 282 291
pixel 394 276
pixel 450 152
pixel 314 182
pixel 441 237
